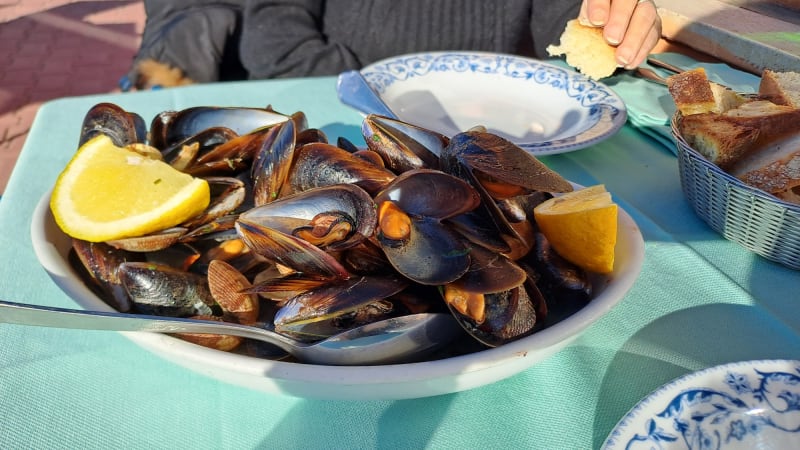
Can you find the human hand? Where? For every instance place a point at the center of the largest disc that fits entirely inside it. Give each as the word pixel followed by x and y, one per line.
pixel 633 26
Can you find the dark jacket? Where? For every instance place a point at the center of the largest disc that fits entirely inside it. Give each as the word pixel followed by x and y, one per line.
pixel 212 41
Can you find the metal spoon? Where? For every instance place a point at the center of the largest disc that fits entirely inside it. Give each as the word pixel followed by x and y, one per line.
pixel 397 339
pixel 354 91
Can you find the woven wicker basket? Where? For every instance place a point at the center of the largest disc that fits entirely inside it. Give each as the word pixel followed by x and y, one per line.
pixel 748 216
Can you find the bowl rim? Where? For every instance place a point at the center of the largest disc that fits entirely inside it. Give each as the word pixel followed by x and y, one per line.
pixel 611 113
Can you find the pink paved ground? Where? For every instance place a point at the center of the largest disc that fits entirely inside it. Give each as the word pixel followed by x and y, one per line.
pixel 59 48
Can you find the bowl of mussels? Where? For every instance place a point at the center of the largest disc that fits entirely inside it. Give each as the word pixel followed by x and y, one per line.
pixel 323 235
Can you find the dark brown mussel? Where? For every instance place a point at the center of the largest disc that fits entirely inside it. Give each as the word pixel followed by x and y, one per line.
pixel 183 154
pixel 510 315
pixel 100 262
pixel 403 146
pixel 336 307
pixel 491 301
pixel 292 252
pixel 417 243
pixel 123 127
pixel 272 162
pixel 503 168
pixel 166 291
pixel 332 217
pixel 170 127
pixel 498 169
pixel 566 287
pixel 320 164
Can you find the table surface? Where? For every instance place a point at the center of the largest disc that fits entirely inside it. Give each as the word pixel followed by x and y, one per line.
pixel 700 301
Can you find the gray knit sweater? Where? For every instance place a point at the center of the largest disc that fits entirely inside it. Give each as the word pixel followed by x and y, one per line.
pixel 289 38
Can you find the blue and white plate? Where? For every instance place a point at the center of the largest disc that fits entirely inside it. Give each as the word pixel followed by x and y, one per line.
pixel 543 108
pixel 742 405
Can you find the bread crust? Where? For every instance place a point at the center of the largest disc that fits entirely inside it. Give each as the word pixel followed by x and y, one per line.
pixel 720 141
pixel 691 92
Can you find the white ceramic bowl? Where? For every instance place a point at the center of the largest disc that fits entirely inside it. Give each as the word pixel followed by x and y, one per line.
pixel 737 406
pixel 355 383
pixel 541 107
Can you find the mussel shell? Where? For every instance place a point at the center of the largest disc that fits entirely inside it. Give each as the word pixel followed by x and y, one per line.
pixel 124 128
pixel 433 254
pixel 101 263
pixel 490 272
pixel 151 242
pixel 320 164
pixel 285 213
pixel 309 316
pixel 502 160
pixel 271 165
pixel 290 251
pixel 510 315
pixel 170 127
pixel 166 291
pixel 403 146
pixel 206 140
pixel 430 193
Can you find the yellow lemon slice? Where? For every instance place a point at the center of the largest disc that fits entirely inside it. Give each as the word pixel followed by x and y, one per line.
pixel 582 227
pixel 107 192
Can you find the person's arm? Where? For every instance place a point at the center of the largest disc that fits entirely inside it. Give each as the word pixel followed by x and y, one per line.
pixel 283 38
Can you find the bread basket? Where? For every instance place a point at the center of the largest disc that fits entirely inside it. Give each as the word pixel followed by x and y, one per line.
pixel 748 216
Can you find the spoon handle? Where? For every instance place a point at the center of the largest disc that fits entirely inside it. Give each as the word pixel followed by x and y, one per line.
pixel 354 91
pixel 44 316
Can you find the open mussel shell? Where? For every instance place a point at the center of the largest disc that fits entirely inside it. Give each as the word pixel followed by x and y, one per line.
pixel 510 315
pixel 329 309
pixel 431 252
pixel 166 291
pixel 502 160
pixel 346 201
pixel 170 127
pixel 403 146
pixel 124 128
pixel 290 251
pixel 204 141
pixel 101 263
pixel 320 164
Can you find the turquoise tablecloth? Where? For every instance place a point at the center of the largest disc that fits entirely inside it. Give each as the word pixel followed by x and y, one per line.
pixel 700 301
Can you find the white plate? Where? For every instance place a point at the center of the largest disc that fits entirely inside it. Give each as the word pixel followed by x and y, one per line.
pixel 541 107
pixel 355 383
pixel 742 405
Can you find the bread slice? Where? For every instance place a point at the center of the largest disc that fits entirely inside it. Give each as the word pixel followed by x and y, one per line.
pixel 691 92
pixel 773 168
pixel 586 49
pixel 790 195
pixel 782 88
pixel 694 93
pixel 720 141
pixel 772 120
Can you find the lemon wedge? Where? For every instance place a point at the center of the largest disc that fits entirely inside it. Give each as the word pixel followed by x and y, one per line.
pixel 582 227
pixel 107 192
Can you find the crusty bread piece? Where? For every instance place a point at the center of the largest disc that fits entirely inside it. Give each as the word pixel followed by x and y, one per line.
pixel 773 168
pixel 586 49
pixel 790 195
pixel 720 141
pixel 772 120
pixel 782 88
pixel 694 93
pixel 691 92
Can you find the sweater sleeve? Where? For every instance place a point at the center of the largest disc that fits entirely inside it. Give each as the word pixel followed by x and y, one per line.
pixel 548 20
pixel 283 38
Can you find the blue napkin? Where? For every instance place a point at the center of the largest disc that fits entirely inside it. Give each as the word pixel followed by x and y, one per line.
pixel 649 104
